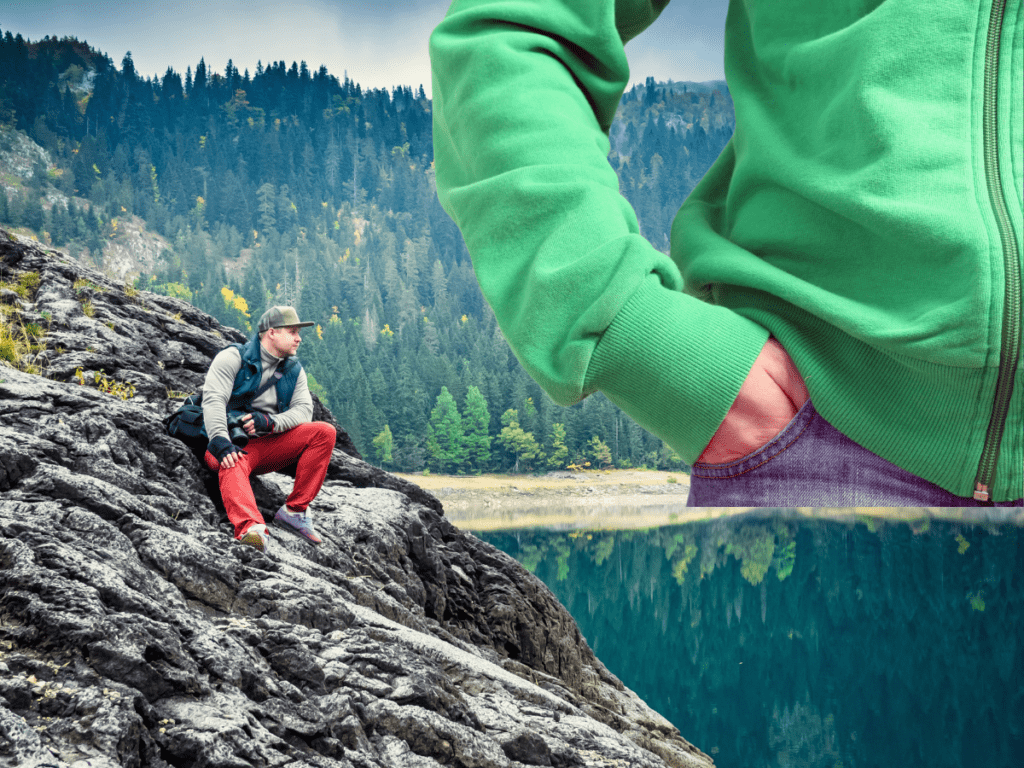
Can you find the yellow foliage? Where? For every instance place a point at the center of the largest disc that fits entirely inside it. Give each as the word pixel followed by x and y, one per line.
pixel 15 344
pixel 231 299
pixel 386 331
pixel 463 319
pixel 319 332
pixel 178 291
pixel 123 390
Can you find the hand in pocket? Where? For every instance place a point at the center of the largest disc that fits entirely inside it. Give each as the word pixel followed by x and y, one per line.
pixel 768 400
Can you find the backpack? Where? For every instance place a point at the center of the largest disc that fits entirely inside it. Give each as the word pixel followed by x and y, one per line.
pixel 186 424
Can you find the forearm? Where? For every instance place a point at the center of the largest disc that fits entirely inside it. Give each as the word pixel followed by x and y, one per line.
pixel 300 409
pixel 524 94
pixel 217 390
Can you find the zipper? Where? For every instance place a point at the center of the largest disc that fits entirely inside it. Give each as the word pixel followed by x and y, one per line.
pixel 1009 350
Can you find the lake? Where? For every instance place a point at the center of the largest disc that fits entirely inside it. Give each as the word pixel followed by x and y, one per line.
pixel 773 639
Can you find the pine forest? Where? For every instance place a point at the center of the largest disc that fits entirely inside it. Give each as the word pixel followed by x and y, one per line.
pixel 290 186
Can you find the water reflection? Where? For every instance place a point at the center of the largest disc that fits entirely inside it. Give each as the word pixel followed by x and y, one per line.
pixel 786 641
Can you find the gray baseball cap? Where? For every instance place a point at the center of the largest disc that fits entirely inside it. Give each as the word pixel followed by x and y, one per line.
pixel 280 317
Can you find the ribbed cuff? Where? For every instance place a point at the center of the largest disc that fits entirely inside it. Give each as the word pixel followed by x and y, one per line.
pixel 675 364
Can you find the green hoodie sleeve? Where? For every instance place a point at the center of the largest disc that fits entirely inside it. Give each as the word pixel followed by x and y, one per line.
pixel 524 93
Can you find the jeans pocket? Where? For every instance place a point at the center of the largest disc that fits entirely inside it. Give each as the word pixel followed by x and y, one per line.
pixel 773 447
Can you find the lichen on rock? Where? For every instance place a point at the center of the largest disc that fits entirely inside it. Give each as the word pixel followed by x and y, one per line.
pixel 134 630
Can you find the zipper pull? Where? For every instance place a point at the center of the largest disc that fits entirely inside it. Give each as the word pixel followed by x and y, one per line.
pixel 981 492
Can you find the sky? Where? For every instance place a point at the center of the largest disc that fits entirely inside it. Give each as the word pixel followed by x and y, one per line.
pixel 379 43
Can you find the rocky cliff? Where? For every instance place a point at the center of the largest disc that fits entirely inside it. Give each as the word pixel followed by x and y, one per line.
pixel 134 631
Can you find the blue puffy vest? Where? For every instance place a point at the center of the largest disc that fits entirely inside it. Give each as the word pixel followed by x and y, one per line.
pixel 247 380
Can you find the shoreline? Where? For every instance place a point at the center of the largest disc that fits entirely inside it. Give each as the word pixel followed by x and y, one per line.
pixel 613 498
pixel 626 499
pixel 551 482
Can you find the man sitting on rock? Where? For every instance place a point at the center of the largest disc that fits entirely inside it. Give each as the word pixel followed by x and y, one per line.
pixel 262 389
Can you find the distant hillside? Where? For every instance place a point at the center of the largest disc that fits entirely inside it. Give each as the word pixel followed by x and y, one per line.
pixel 235 191
pixel 665 136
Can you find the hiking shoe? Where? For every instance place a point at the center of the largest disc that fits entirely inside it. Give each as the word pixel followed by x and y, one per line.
pixel 298 521
pixel 256 536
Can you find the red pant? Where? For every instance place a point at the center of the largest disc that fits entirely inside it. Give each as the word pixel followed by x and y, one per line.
pixel 311 443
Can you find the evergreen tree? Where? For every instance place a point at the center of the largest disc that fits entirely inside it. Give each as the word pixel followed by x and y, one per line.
pixel 445 440
pixel 477 423
pixel 316 388
pixel 409 453
pixel 54 224
pixel 33 215
pixel 521 445
pixel 267 208
pixel 599 453
pixel 15 209
pixel 439 288
pixel 383 445
pixel 529 420
pixel 558 453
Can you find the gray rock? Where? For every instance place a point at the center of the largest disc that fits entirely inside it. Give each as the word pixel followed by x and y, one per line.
pixel 134 630
pixel 528 748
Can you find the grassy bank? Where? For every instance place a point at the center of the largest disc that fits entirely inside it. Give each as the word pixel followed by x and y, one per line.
pixel 552 481
pixel 618 498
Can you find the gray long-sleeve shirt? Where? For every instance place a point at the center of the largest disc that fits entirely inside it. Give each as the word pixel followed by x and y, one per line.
pixel 221 378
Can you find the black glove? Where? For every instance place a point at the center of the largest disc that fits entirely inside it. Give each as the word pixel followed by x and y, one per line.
pixel 263 423
pixel 221 447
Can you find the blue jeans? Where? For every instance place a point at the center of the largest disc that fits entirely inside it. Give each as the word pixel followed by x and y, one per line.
pixel 812 464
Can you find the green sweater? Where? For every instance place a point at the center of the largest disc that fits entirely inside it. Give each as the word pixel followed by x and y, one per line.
pixel 867 212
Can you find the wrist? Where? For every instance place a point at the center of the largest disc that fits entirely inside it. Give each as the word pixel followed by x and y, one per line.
pixel 264 423
pixel 220 447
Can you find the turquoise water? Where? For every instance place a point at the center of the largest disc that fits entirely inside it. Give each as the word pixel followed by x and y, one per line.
pixel 773 640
